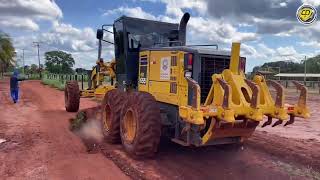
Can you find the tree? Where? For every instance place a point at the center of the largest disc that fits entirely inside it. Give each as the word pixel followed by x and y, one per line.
pixel 59 62
pixel 7 51
pixel 33 69
pixel 81 71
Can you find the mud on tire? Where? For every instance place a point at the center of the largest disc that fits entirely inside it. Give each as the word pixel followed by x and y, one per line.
pixel 142 108
pixel 72 96
pixel 110 115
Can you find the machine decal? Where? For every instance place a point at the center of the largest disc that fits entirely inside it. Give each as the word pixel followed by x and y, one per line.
pixel 165 68
pixel 143 70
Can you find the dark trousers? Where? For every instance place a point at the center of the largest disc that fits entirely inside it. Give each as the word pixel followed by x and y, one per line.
pixel 15 95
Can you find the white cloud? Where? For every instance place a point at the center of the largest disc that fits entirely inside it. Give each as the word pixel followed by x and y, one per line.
pixel 312 2
pixel 81 43
pixel 25 13
pixel 133 12
pixel 18 23
pixel 199 5
pixel 313 44
pixel 286 51
pixel 217 31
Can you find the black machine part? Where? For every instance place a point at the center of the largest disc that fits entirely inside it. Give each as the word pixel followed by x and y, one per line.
pixel 183 28
pixel 126 56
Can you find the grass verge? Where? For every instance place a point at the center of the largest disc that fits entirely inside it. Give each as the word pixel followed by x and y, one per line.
pixel 54 83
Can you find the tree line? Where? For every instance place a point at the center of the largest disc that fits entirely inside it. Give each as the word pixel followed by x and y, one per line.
pixel 312 66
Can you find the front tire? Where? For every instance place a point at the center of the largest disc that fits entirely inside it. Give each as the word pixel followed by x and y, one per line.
pixel 72 96
pixel 110 117
pixel 140 125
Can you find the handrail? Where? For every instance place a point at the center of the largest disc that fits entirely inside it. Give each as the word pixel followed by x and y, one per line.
pixel 205 45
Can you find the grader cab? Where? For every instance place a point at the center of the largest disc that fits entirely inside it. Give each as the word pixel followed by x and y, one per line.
pixel 196 96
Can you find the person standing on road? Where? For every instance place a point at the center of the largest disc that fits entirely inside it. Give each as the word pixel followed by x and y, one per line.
pixel 14 86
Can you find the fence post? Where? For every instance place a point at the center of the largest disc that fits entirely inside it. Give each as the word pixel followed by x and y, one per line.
pixel 82 82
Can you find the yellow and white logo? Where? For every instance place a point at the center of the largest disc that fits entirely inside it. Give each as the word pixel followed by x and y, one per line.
pixel 306 14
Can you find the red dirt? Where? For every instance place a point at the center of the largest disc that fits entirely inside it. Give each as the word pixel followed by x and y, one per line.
pixel 306 129
pixel 39 144
pixel 41 126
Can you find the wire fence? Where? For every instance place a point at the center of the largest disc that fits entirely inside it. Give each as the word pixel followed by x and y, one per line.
pixel 59 80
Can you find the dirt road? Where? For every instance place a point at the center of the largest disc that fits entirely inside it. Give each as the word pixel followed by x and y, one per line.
pixel 40 145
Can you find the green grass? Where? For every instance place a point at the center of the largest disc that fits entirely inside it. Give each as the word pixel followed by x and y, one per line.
pixel 54 83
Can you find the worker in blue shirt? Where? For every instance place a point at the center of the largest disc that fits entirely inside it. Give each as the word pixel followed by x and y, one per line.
pixel 14 86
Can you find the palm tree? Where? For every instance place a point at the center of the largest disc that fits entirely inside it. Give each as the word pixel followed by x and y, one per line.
pixel 7 51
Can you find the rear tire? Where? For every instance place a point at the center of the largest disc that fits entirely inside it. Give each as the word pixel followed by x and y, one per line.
pixel 72 96
pixel 140 125
pixel 110 115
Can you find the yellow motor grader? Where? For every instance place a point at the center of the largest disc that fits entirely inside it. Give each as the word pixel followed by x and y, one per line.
pixel 194 95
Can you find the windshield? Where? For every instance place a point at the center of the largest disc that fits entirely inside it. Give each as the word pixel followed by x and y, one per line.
pixel 144 34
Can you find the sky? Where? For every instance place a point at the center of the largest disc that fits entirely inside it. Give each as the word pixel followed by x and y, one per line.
pixel 267 29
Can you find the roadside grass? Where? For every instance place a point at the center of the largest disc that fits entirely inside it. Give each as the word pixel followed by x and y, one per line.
pixel 55 83
pixel 307 172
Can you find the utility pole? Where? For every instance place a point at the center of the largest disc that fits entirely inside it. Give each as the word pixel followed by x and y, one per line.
pixel 37 44
pixel 305 70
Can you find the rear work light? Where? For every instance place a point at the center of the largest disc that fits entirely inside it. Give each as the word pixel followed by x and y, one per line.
pixel 290 108
pixel 188 61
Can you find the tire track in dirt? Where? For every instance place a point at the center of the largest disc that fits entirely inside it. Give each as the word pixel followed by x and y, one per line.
pixel 259 158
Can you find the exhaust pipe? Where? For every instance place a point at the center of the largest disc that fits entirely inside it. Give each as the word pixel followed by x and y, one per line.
pixel 183 28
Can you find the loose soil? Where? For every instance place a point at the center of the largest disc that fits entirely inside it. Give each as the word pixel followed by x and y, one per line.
pixel 40 146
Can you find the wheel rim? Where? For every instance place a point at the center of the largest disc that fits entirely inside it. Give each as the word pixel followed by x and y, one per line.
pixel 107 118
pixel 129 126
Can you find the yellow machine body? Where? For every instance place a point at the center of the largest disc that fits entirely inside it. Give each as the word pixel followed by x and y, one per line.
pixel 98 74
pixel 201 95
pixel 234 105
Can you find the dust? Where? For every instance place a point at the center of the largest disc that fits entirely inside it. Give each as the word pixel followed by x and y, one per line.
pixel 91 130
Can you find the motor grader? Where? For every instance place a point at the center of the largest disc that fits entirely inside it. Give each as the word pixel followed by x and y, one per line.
pixel 195 95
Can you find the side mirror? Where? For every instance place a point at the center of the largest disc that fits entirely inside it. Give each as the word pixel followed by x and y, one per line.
pixel 99 34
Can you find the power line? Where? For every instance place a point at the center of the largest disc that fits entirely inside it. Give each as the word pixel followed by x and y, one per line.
pixel 37 44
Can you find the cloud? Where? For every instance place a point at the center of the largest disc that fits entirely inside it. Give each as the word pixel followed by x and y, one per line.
pixel 25 13
pixel 246 10
pixel 217 31
pixel 312 44
pixel 81 43
pixel 18 23
pixel 312 2
pixel 133 12
pixel 205 29
pixel 70 38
